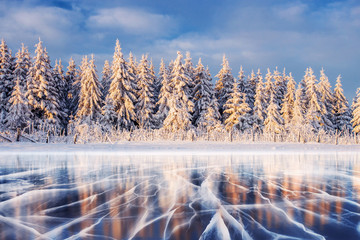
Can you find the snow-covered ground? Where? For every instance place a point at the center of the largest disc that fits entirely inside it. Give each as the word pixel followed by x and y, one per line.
pixel 179 148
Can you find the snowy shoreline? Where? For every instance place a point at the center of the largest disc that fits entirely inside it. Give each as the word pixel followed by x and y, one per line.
pixel 180 147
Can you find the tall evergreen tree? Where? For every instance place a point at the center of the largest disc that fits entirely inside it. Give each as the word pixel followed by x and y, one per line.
pixel 315 108
pixel 273 123
pixel 106 79
pixel 326 96
pixel 22 66
pixel 341 110
pixel 19 113
pixel 242 81
pixel 122 92
pixel 89 109
pixel 179 116
pixel 259 113
pixel 356 113
pixel 280 82
pixel 237 110
pixel 224 85
pixel 6 79
pixel 203 92
pixel 73 88
pixel 42 93
pixel 60 85
pixel 164 95
pixel 146 103
pixel 251 90
pixel 287 109
pixel 190 72
pixel 269 88
pixel 297 121
pixel 210 120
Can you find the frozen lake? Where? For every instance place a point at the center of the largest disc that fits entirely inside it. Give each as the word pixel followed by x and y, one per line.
pixel 94 195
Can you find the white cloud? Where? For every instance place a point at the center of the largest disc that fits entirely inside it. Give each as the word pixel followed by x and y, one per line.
pixel 132 21
pixel 50 23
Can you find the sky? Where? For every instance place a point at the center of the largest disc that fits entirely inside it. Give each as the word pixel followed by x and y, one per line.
pixel 291 34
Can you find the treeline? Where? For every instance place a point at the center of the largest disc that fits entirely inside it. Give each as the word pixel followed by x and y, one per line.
pixel 181 97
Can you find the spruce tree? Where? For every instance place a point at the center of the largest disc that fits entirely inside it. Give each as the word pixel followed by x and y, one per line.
pixel 356 113
pixel 203 92
pixel 164 95
pixel 73 88
pixel 122 92
pixel 327 97
pixel 190 72
pixel 89 109
pixel 341 110
pixel 22 66
pixel 106 79
pixel 6 79
pixel 273 123
pixel 297 122
pixel 287 109
pixel 19 113
pixel 60 85
pixel 146 102
pixel 210 120
pixel 42 93
pixel 251 90
pixel 237 110
pixel 109 116
pixel 242 81
pixel 224 85
pixel 269 88
pixel 280 82
pixel 259 113
pixel 179 116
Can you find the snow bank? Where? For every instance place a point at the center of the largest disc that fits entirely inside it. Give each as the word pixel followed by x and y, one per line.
pixel 179 148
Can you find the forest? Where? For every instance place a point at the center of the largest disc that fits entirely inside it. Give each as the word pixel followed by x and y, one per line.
pixel 129 101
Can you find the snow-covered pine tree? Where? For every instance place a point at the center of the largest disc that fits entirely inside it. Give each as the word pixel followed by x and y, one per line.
pixel 22 66
pixel 146 102
pixel 269 88
pixel 6 79
pixel 305 98
pixel 237 110
pixel 164 95
pixel 19 113
pixel 73 88
pixel 341 110
pixel 259 113
pixel 287 109
pixel 122 92
pixel 190 71
pixel 90 103
pixel 280 82
pixel 106 79
pixel 41 92
pixel 316 111
pixel 327 97
pixel 179 116
pixel 274 123
pixel 297 122
pixel 211 118
pixel 224 86
pixel 203 92
pixel 133 69
pixel 251 90
pixel 241 82
pixel 60 85
pixel 156 85
pixel 356 113
pixel 109 116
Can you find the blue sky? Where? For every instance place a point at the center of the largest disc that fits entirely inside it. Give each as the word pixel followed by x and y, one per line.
pixel 256 34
